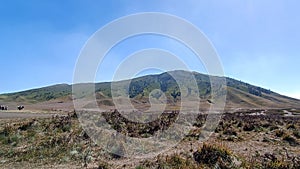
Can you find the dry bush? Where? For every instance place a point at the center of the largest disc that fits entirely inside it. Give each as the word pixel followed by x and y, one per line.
pixel 276 165
pixel 213 155
pixel 296 133
pixel 279 133
pixel 290 139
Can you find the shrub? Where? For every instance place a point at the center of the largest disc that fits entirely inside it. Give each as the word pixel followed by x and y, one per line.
pixel 7 130
pixel 248 127
pixel 279 133
pixel 26 125
pixel 296 134
pixel 291 140
pixel 230 131
pixel 273 127
pixel 175 161
pixel 240 124
pixel 66 128
pixel 212 154
pixel 276 165
pixel 103 165
pixel 291 126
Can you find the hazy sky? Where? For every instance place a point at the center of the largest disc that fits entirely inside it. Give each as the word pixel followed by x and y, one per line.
pixel 257 41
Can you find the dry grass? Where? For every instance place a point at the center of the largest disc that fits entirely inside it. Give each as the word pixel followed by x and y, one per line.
pixel 240 141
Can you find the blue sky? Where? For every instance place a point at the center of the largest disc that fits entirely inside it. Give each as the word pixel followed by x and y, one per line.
pixel 257 41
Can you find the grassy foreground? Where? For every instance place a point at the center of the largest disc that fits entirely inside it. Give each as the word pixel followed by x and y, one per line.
pixel 242 140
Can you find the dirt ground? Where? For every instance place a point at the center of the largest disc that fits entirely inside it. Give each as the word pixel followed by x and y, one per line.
pixel 23 114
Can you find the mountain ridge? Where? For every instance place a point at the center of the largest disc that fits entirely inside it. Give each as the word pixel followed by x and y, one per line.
pixel 238 92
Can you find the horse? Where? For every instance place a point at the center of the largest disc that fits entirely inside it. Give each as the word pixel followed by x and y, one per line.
pixel 20 107
pixel 3 107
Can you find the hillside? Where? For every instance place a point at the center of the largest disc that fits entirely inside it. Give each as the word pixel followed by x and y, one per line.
pixel 239 94
pixel 38 95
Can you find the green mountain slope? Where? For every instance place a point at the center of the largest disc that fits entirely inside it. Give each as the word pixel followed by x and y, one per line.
pixel 38 95
pixel 239 94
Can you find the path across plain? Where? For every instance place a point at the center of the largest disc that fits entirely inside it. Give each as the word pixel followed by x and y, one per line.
pixel 11 115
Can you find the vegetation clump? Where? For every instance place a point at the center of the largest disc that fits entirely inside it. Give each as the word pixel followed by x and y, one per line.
pixel 290 139
pixel 213 155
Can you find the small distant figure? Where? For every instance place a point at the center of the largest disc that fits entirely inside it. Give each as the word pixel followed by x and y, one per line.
pixel 20 107
pixel 3 107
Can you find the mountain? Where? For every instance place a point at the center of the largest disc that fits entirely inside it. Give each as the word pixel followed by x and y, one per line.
pixel 239 94
pixel 38 95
